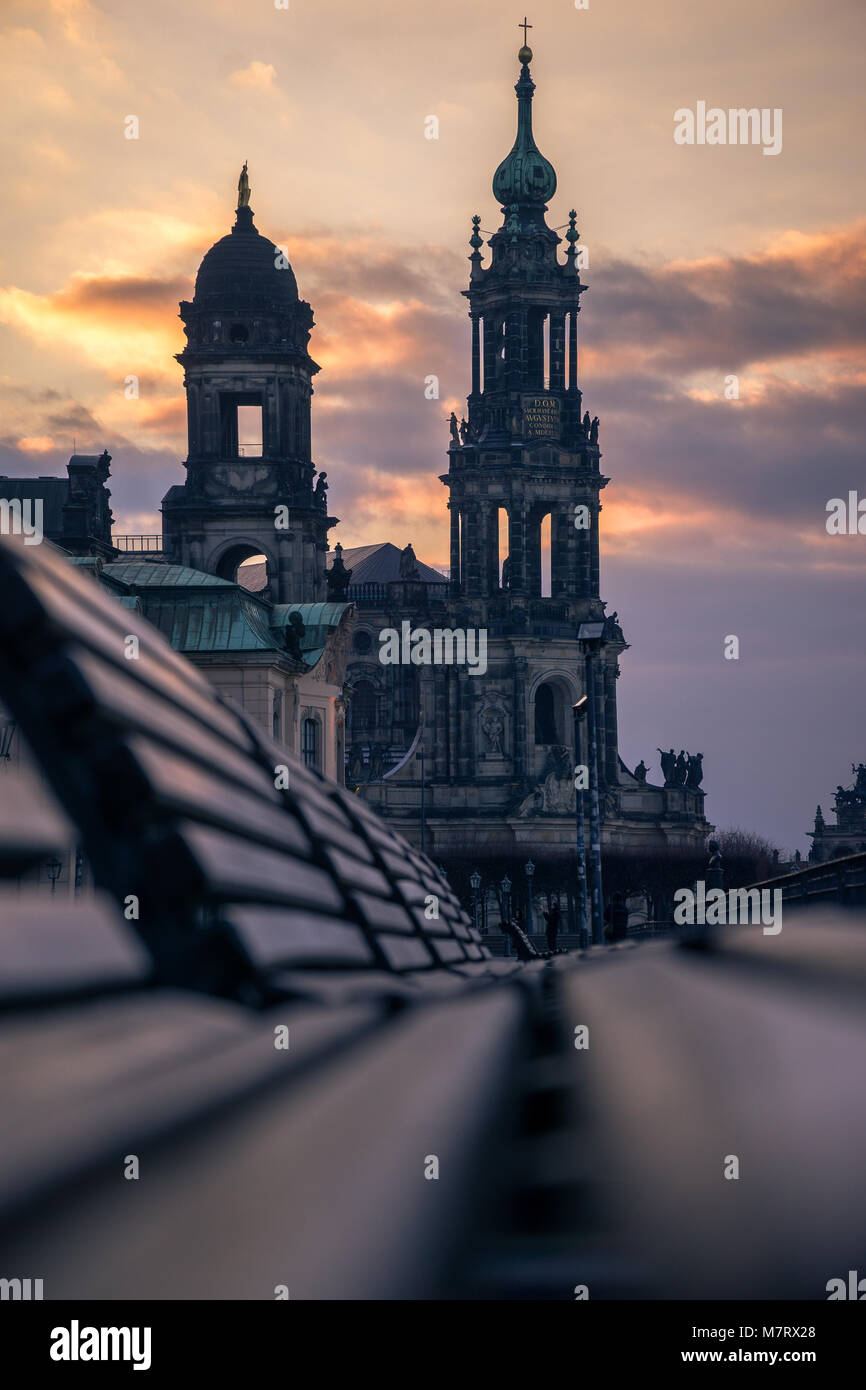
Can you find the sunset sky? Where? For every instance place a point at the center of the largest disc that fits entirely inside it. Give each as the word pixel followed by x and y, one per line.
pixel 704 261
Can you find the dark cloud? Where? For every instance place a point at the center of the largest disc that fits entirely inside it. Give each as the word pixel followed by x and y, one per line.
pixel 725 314
pixel 122 294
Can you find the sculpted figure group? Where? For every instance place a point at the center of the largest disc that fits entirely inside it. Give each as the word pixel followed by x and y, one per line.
pixel 682 769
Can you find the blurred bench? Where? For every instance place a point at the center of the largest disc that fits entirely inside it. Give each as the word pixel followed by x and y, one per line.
pixel 327 1091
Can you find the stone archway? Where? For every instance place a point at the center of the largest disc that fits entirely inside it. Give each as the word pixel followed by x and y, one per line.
pixel 228 558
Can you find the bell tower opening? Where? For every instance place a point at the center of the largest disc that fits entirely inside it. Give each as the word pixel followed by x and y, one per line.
pixel 250 431
pixel 240 424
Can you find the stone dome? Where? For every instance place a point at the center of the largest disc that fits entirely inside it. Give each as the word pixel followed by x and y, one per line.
pixel 241 272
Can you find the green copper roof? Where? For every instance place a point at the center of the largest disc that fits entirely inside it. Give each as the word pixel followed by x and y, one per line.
pixel 524 177
pixel 153 573
pixel 228 621
pixel 312 614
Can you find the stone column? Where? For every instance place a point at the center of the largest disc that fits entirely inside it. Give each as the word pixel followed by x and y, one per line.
pixel 489 351
pixel 611 671
pixel 471 575
pixel 517 532
pixel 560 550
pixel 476 355
pixel 557 352
pixel 593 550
pixel 519 717
pixel 572 350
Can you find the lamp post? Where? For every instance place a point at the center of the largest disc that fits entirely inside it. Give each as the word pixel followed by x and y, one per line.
pixel 529 870
pixel 475 883
pixel 421 756
pixel 590 634
pixel 505 885
pixel 54 869
pixel 579 712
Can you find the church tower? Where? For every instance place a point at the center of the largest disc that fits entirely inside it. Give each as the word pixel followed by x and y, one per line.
pixel 527 452
pixel 248 380
pixel 524 475
pixel 488 781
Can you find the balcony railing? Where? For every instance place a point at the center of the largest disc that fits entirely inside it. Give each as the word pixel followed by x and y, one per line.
pixel 152 544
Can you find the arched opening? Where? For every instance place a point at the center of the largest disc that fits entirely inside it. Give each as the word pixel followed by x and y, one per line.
pixel 245 565
pixel 310 750
pixel 504 548
pixel 238 333
pixel 362 642
pixel 240 424
pixel 546 711
pixel 545 543
pixel 252 574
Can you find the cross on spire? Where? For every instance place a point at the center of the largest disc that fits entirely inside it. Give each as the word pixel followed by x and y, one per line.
pixel 524 26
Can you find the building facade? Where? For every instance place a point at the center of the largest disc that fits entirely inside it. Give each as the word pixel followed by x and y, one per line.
pixel 524 485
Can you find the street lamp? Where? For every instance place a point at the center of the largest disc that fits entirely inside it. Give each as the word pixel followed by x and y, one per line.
pixel 579 712
pixel 475 883
pixel 506 897
pixel 423 828
pixel 529 870
pixel 54 869
pixel 590 634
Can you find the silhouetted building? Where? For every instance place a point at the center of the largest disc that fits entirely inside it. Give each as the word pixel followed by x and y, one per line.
pixel 75 510
pixel 524 481
pixel 848 835
pixel 248 379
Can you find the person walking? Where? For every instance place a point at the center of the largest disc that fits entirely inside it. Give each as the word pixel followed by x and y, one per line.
pixel 551 917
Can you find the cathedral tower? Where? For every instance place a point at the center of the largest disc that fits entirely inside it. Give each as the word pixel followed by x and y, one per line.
pixel 248 381
pixel 489 778
pixel 527 452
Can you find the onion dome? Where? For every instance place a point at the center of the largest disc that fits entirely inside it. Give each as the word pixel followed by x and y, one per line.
pixel 524 177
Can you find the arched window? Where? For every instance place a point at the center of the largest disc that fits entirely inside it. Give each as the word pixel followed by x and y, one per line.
pixel 546 552
pixel 545 715
pixel 310 742
pixel 504 548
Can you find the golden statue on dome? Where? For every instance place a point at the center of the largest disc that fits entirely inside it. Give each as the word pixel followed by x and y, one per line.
pixel 244 188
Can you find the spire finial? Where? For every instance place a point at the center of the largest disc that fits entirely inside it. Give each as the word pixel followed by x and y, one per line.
pixel 525 54
pixel 244 188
